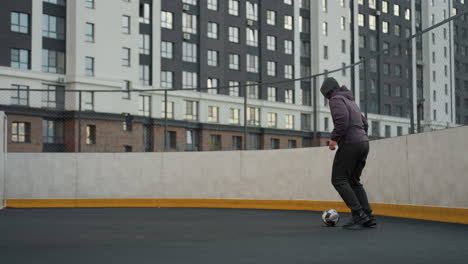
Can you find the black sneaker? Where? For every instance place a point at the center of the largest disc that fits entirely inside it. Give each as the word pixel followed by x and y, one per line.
pixel 371 223
pixel 358 220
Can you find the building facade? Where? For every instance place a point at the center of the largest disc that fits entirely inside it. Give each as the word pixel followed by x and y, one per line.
pixel 218 53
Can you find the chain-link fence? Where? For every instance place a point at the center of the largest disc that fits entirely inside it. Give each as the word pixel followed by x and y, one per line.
pixel 403 83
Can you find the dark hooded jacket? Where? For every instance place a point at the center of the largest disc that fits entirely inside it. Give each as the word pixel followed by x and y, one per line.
pixel 350 125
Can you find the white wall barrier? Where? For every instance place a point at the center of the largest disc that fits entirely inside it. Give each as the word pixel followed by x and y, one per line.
pixel 429 169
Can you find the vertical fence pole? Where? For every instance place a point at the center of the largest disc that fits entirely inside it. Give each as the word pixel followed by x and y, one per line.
pixel 366 104
pixel 245 117
pixel 410 81
pixel 314 138
pixel 79 121
pixel 165 120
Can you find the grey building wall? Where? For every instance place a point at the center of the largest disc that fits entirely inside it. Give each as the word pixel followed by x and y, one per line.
pixel 461 63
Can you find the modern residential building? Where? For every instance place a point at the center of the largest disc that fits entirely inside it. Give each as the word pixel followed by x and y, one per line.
pixel 217 52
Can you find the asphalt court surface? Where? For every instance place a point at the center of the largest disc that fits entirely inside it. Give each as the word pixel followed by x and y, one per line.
pixel 200 235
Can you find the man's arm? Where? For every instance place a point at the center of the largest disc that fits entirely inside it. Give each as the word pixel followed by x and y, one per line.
pixel 364 121
pixel 340 117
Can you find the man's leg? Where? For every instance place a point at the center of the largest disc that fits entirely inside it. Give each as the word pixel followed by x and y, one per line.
pixel 341 172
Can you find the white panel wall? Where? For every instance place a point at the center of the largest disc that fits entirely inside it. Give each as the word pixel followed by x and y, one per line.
pixel 425 169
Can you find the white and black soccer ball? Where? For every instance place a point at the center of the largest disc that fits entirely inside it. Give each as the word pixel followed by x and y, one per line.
pixel 330 217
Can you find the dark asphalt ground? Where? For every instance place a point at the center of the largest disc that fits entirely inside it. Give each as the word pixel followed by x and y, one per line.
pixel 221 236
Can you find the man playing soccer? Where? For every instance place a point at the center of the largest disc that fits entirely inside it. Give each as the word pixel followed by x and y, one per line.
pixel 350 133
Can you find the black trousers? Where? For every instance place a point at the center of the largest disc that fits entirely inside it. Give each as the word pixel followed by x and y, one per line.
pixel 350 160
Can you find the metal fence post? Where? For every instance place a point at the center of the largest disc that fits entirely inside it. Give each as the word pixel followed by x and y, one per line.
pixel 165 120
pixel 314 138
pixel 245 117
pixel 79 121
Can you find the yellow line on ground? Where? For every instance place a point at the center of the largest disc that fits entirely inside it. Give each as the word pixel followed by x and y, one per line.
pixel 442 214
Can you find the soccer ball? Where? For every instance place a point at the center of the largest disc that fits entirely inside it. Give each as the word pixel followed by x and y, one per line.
pixel 330 217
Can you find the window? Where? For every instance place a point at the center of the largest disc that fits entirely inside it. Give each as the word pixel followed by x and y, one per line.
pixel 234 114
pixel 375 128
pixel 191 140
pixel 234 34
pixel 233 7
pixel 343 23
pixel 126 57
pixel 52 132
pixel 288 71
pixel 386 68
pixel 190 2
pixel 189 80
pixel 271 17
pixel 126 24
pixel 372 25
pixel 251 10
pixel 234 61
pixel 361 20
pixel 325 28
pixel 55 2
pixel 20 132
pixel 254 141
pixel 145 48
pixel 145 13
pixel 88 101
pixel 325 6
pixel 362 41
pixel 387 109
pixel 167 49
pixel 253 116
pixel 215 142
pixel 212 5
pixel 289 96
pixel 90 135
pixel 252 63
pixel 144 74
pixel 288 22
pixel 234 88
pixel 53 27
pixel 398 70
pixel 191 110
pixel 89 4
pixel 144 105
pixel 271 94
pixel 212 30
pixel 434 114
pixel 384 7
pixel 408 14
pixel 128 148
pixel 19 22
pixel 396 10
pixel 212 58
pixel 166 19
pixel 252 37
pixel 343 70
pixel 326 124
pixel 397 30
pixel 304 25
pixel 89 66
pixel 236 143
pixel 19 58
pixel 170 140
pixel 292 144
pixel 252 90
pixel 372 4
pixel 167 79
pixel 384 26
pixel 189 52
pixel 89 36
pixel 53 61
pixel 274 143
pixel 170 110
pixel 213 113
pixel 189 23
pixel 325 52
pixel 272 117
pixel 287 2
pixel 288 47
pixel 388 131
pixel 271 68
pixel 213 84
pixel 49 96
pixel 271 43
pixel 343 46
pixel 126 88
pixel 289 121
pixel 20 96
